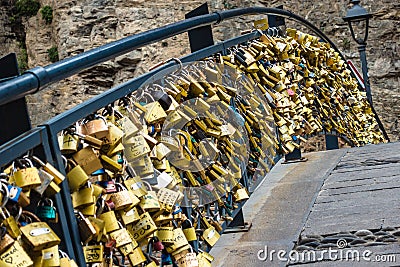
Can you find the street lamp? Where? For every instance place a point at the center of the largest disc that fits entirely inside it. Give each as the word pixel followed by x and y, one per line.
pixel 355 15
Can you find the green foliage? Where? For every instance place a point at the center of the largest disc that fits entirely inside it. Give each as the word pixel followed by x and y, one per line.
pixel 22 59
pixel 53 54
pixel 47 14
pixel 228 5
pixel 27 8
pixel 346 43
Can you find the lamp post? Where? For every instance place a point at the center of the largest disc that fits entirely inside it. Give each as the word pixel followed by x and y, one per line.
pixel 358 14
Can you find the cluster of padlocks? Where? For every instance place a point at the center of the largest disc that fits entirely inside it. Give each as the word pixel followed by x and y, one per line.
pixel 309 88
pixel 182 141
pixel 155 177
pixel 28 215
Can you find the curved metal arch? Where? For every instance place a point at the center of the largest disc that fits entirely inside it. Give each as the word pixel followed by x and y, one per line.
pixel 35 79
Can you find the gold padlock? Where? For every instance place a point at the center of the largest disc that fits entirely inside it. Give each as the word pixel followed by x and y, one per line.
pixel 136 185
pixel 10 223
pixel 143 228
pixel 98 225
pixel 110 220
pixel 189 259
pixel 136 257
pixel 26 177
pixel 123 198
pixel 167 199
pixel 77 177
pixel 154 112
pixel 65 261
pixel 122 238
pixel 39 236
pixel 57 176
pixel 211 236
pixel 68 143
pixel 135 147
pixel 97 128
pixel 165 234
pixel 128 126
pixel 15 256
pixel 188 230
pixel 50 257
pixel 88 160
pixel 93 253
pixel 128 248
pixel 143 166
pixel 129 217
pixel 204 259
pixel 110 164
pixel 241 194
pixel 90 140
pixel 149 202
pixel 52 189
pixel 179 241
pixel 82 198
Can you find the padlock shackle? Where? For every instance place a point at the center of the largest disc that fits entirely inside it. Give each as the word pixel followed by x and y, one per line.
pixel 26 159
pixel 63 254
pixel 30 215
pixel 121 187
pixel 44 201
pixel 148 185
pixel 6 194
pixel 39 161
pixel 19 214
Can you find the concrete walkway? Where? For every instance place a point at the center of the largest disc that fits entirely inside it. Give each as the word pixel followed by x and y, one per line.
pixel 340 191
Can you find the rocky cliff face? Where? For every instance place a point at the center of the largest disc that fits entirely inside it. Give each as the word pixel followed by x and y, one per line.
pixel 79 25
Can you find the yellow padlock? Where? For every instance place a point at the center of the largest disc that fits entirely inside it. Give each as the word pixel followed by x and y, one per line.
pixel 129 217
pixel 179 241
pixel 15 256
pixel 68 143
pixel 110 220
pixel 27 176
pixel 76 177
pixel 93 253
pixel 143 228
pixel 50 257
pixel 39 236
pixel 88 160
pixel 136 257
pixel 165 234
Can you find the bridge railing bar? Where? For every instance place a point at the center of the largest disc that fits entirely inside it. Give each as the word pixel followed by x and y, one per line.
pixel 36 79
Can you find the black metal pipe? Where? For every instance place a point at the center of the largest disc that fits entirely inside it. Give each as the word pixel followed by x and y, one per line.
pixel 364 67
pixel 35 79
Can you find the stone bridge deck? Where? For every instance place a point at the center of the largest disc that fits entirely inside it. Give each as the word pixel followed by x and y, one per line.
pixel 347 197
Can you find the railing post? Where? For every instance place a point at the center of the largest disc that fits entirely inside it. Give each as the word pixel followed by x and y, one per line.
pixel 331 142
pixel 202 37
pixel 14 117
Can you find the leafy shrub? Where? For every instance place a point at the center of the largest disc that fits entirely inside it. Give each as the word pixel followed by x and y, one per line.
pixel 53 54
pixel 47 14
pixel 28 8
pixel 22 59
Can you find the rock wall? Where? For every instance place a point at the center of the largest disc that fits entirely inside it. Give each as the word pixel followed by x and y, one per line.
pixel 79 25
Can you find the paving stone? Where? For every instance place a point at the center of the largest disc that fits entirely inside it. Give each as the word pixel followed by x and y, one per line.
pixel 362 181
pixel 363 188
pixel 360 196
pixel 363 233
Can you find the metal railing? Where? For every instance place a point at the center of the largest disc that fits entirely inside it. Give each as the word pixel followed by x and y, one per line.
pixel 45 136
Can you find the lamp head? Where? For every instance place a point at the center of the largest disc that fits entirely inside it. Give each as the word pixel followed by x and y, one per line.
pixel 357 14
